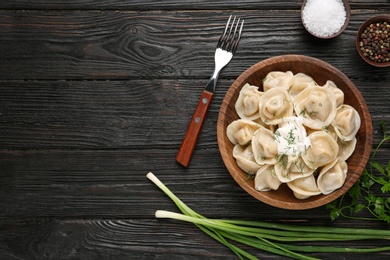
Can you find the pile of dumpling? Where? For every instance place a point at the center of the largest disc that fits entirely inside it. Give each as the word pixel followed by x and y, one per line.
pixel 329 125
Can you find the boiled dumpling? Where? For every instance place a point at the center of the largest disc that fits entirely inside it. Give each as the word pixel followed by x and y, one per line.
pixel 305 187
pixel 301 81
pixel 347 122
pixel 245 159
pixel 338 93
pixel 317 106
pixel 346 148
pixel 328 129
pixel 272 128
pixel 264 147
pixel 247 104
pixel 276 79
pixel 266 179
pixel 323 150
pixel 241 131
pixel 290 168
pixel 275 105
pixel 332 176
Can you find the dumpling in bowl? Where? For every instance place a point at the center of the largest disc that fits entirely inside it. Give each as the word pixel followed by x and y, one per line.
pixel 305 187
pixel 301 81
pixel 277 79
pixel 291 169
pixel 275 105
pixel 317 106
pixel 346 148
pixel 328 129
pixel 247 104
pixel 347 122
pixel 264 146
pixel 323 150
pixel 245 159
pixel 266 179
pixel 338 93
pixel 241 131
pixel 332 176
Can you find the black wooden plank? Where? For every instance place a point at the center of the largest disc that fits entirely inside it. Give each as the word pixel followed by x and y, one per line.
pixel 113 184
pixel 128 239
pixel 171 5
pixel 104 239
pixel 124 114
pixel 132 45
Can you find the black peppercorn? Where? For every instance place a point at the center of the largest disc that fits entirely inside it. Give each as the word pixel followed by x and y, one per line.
pixel 375 42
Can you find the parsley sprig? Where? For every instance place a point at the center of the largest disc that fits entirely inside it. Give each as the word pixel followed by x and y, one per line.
pixel 363 194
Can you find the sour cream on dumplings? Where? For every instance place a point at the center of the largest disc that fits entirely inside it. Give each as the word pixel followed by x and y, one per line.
pixel 291 137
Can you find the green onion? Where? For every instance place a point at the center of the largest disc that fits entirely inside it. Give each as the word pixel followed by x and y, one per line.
pixel 268 236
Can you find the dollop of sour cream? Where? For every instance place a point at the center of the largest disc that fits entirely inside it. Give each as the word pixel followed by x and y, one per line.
pixel 291 137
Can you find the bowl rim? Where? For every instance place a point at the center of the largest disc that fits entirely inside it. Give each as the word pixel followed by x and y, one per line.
pixel 374 19
pixel 301 204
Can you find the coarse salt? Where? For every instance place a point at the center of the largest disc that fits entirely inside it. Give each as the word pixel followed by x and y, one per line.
pixel 324 17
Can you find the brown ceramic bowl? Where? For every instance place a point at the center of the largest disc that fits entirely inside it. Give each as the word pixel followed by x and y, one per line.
pixel 320 71
pixel 375 19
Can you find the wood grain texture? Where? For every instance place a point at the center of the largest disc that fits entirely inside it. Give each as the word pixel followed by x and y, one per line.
pixel 124 239
pixel 95 94
pixel 173 5
pixel 90 45
pixel 119 115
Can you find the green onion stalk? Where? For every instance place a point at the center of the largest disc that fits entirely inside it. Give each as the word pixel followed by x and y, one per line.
pixel 274 238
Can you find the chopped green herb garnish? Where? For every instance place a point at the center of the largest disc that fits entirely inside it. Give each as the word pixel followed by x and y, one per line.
pixel 303 113
pixel 291 137
pixel 282 160
pixel 277 136
pixel 326 128
pixel 250 176
pixel 313 113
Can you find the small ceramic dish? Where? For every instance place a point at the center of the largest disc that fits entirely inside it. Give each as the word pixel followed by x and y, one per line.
pixel 363 48
pixel 333 35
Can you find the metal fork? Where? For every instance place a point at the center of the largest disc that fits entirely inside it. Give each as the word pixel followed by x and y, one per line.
pixel 226 47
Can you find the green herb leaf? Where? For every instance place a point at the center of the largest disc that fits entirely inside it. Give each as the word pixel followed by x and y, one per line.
pixel 379 208
pixel 386 188
pixel 335 213
pixel 355 193
pixel 362 195
pixel 388 170
pixel 359 207
pixel 378 166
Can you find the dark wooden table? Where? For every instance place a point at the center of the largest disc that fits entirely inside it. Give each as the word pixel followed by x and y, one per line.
pixel 95 94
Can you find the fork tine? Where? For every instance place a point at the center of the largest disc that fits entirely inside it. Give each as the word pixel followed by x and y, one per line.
pixel 237 37
pixel 222 38
pixel 229 41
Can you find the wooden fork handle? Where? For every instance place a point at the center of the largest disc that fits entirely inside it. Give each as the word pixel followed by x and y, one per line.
pixel 188 145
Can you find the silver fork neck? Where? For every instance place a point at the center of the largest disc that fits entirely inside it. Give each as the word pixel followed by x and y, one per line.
pixel 221 58
pixel 210 86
